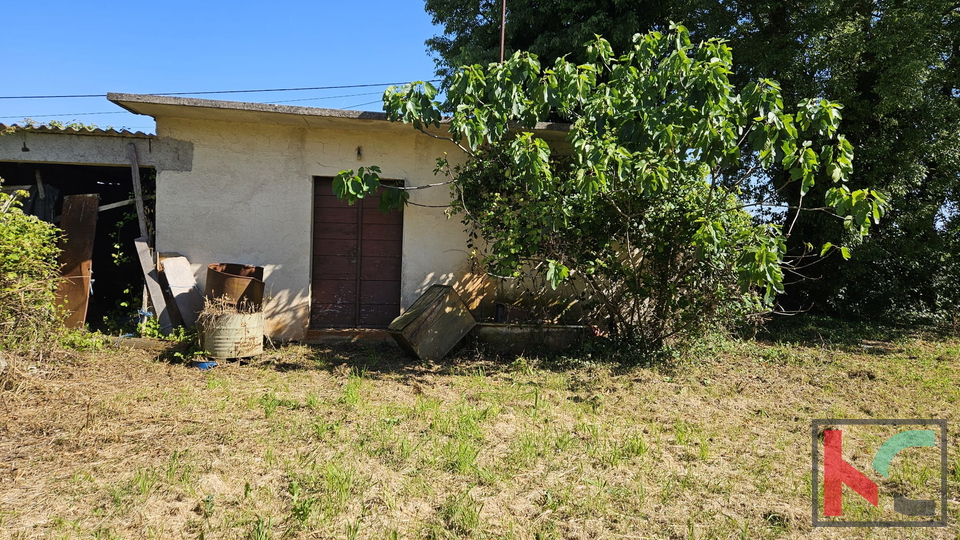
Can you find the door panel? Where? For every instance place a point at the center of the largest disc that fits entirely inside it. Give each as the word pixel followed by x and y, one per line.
pixel 356 262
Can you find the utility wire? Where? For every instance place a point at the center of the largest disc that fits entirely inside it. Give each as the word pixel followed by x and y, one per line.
pixel 327 97
pixel 220 91
pixel 362 104
pixel 22 116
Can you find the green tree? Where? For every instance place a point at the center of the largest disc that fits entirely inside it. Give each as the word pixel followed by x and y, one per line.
pixel 548 28
pixel 893 64
pixel 638 206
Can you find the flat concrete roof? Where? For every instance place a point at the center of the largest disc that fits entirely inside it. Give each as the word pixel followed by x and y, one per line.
pixel 239 111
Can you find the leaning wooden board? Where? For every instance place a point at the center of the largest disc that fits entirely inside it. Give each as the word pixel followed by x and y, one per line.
pixel 150 277
pixel 433 325
pixel 183 288
pixel 79 225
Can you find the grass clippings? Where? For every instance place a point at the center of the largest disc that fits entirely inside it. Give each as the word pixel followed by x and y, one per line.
pixel 360 442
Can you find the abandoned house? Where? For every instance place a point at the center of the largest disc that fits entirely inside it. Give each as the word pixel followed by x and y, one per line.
pixel 250 183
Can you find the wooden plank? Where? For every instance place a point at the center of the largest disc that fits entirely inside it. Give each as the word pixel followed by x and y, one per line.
pixel 380 268
pixel 336 231
pixel 335 215
pixel 378 231
pixel 380 292
pixel 111 206
pixel 153 284
pixel 184 289
pixel 378 316
pixel 79 224
pixel 333 315
pixel 374 215
pixel 331 246
pixel 138 192
pixel 381 248
pixel 326 267
pixel 330 291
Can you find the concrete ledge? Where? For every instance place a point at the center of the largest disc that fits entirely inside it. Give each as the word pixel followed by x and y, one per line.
pixel 528 338
pixel 348 335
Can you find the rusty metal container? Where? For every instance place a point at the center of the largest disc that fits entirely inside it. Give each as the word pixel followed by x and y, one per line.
pixel 241 284
pixel 231 335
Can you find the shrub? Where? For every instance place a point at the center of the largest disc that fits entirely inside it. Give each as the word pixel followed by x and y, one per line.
pixel 28 275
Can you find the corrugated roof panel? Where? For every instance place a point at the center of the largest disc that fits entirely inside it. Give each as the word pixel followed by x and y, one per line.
pixel 73 131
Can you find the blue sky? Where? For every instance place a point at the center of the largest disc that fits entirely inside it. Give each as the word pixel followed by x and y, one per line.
pixel 94 47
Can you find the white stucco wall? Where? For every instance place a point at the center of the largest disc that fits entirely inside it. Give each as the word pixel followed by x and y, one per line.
pixel 248 198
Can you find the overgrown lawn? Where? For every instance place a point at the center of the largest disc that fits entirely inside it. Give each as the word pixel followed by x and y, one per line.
pixel 360 442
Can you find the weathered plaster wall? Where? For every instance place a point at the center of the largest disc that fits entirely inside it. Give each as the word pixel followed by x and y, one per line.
pixel 248 198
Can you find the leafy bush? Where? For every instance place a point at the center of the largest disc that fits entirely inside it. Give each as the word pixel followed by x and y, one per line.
pixel 646 200
pixel 28 275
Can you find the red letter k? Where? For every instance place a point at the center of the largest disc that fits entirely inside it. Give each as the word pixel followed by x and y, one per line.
pixel 837 472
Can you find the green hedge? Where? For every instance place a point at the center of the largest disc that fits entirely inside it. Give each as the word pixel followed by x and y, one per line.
pixel 28 276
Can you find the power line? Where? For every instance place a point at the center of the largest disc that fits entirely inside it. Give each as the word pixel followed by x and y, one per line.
pixel 24 116
pixel 327 97
pixel 125 112
pixel 362 104
pixel 221 91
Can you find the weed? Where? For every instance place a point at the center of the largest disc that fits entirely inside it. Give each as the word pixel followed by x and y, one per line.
pixel 460 514
pixel 634 446
pixel 106 533
pixel 682 431
pixel 145 480
pixel 327 428
pixel 302 507
pixel 703 448
pixel 521 366
pixel 177 469
pixel 214 382
pixel 353 529
pixel 562 441
pixel 459 456
pixel 270 402
pixel 262 529
pixel 351 390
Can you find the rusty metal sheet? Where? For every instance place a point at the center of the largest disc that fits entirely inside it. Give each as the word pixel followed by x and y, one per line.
pixel 79 224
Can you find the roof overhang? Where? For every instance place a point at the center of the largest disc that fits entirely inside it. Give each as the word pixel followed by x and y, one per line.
pixel 238 111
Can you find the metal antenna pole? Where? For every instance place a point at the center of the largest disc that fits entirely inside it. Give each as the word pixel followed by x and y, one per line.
pixel 503 29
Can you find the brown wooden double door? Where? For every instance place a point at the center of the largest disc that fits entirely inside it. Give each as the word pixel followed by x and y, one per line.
pixel 356 262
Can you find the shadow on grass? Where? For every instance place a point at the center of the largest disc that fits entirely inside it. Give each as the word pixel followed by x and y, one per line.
pixel 819 331
pixel 383 359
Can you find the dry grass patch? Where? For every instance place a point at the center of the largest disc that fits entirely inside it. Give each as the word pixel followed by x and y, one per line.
pixel 359 442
